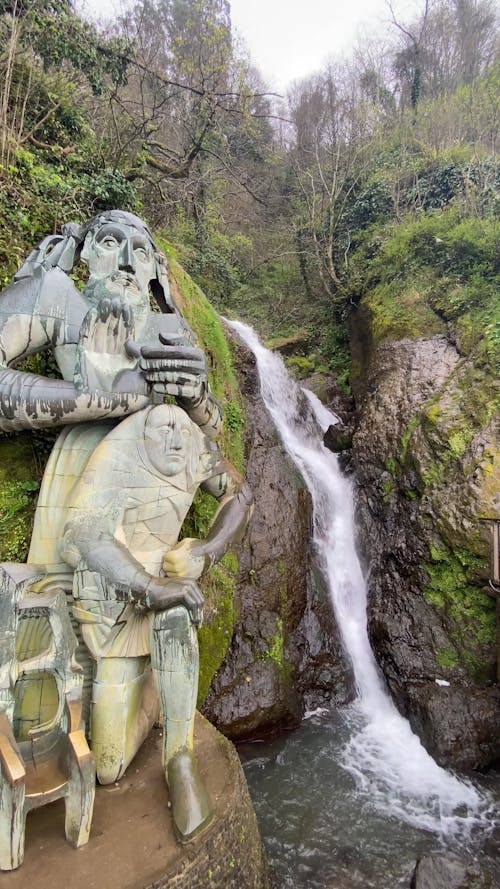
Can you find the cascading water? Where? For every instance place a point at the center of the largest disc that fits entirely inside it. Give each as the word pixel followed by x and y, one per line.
pixel 391 768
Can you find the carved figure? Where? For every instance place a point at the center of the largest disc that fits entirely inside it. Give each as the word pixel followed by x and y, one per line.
pixel 114 353
pixel 115 490
pixel 123 522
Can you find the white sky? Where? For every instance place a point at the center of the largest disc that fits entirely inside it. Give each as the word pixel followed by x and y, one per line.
pixel 288 39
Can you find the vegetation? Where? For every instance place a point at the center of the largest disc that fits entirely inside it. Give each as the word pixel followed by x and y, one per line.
pixel 368 195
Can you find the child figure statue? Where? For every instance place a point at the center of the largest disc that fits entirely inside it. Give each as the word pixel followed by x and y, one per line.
pixel 136 595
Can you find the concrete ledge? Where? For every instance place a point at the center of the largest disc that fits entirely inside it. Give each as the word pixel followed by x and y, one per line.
pixel 132 844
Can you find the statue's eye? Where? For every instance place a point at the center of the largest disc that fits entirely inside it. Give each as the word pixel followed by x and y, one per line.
pixel 141 254
pixel 109 242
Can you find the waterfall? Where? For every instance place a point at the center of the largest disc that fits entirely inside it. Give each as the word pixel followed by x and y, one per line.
pixel 390 766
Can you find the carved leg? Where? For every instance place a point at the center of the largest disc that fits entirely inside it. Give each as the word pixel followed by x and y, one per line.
pixel 175 662
pixel 80 794
pixel 124 708
pixel 12 795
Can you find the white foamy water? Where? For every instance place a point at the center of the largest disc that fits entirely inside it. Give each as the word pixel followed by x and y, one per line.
pixel 386 759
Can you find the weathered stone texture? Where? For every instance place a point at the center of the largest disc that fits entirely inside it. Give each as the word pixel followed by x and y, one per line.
pixel 449 872
pixel 424 452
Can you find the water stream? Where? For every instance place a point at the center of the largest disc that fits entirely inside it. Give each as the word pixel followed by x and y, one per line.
pixel 377 756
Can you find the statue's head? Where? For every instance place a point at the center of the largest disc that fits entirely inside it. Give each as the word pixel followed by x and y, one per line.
pixel 173 443
pixel 120 253
pixel 113 243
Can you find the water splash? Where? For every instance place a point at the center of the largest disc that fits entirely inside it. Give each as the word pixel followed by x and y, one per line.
pixel 386 759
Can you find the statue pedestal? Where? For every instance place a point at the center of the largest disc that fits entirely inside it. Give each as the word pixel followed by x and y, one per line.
pixel 132 843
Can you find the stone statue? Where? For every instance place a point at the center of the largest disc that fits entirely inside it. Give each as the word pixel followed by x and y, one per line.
pixel 123 522
pixel 119 481
pixel 115 354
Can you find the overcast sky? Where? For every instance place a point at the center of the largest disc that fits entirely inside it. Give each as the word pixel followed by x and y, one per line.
pixel 288 39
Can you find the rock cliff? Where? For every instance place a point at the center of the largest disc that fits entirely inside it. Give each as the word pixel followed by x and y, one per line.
pixel 426 451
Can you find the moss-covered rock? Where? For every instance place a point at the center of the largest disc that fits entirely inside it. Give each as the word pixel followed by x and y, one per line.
pixel 427 452
pixel 425 341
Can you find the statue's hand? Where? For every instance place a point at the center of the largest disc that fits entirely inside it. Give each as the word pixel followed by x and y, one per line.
pixel 103 363
pixel 175 369
pixel 107 327
pixel 168 592
pixel 186 559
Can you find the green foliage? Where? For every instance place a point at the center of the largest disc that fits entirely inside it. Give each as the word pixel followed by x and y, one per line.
pixel 301 366
pixel 433 273
pixel 18 493
pixel 200 516
pixel 446 658
pixel 37 196
pixel 57 36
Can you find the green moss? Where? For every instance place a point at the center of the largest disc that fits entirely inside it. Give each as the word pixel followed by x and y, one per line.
pixel 18 494
pixel 277 645
pixel 453 588
pixel 406 436
pixel 399 312
pixel 458 442
pixel 200 516
pixel 388 488
pixel 218 586
pixel 205 323
pixel 300 366
pixel 446 658
pixel 298 338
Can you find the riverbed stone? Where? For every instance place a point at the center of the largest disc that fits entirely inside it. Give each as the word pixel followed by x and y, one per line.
pixel 449 872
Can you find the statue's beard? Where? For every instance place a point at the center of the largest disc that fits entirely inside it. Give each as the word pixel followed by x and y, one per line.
pixel 121 285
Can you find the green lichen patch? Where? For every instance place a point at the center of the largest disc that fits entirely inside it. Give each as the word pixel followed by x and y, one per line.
pixel 453 588
pixel 218 586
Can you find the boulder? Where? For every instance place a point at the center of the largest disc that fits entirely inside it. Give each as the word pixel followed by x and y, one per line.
pixel 449 872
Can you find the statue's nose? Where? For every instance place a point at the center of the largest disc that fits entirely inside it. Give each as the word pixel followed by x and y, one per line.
pixel 127 257
pixel 176 439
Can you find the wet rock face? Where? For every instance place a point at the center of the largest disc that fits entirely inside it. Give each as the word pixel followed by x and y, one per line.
pixel 424 451
pixel 449 872
pixel 285 654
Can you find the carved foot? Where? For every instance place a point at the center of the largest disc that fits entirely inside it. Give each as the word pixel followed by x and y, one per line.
pixel 191 810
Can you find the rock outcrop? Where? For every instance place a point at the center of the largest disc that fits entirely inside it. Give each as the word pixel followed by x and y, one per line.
pixel 285 653
pixel 449 872
pixel 426 451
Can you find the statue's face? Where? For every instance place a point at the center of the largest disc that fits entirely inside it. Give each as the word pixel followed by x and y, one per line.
pixel 122 255
pixel 167 438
